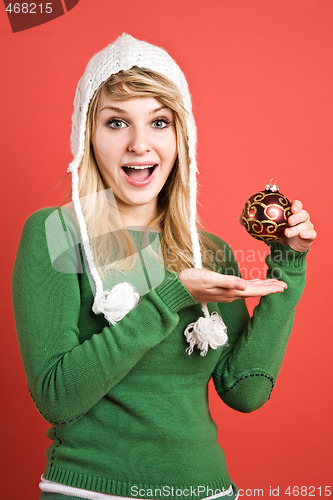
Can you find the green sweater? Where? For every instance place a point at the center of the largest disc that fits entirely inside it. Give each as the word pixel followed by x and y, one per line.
pixel 128 406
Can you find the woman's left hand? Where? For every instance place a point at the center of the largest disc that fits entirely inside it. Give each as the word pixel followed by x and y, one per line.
pixel 301 233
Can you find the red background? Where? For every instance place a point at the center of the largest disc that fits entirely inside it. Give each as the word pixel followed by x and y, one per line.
pixel 261 77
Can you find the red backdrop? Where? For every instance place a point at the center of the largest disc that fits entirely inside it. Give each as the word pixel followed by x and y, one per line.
pixel 261 78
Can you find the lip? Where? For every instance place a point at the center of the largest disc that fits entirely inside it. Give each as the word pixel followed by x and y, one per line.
pixel 139 163
pixel 136 183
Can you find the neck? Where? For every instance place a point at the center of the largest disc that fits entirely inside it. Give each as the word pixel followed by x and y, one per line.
pixel 138 216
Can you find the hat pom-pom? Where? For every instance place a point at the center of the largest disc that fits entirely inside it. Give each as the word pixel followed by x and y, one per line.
pixel 206 332
pixel 116 303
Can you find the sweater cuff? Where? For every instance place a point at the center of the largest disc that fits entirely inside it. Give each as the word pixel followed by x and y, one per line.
pixel 284 255
pixel 174 294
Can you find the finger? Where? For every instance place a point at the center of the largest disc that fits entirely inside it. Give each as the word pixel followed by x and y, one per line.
pixel 296 206
pixel 267 283
pixel 309 235
pixel 216 280
pixel 262 290
pixel 297 230
pixel 301 216
pixel 206 280
pixel 254 288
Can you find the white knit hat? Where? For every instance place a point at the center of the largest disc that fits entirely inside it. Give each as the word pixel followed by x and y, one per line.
pixel 123 54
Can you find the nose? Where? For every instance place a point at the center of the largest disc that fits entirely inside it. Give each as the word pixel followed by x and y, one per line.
pixel 139 141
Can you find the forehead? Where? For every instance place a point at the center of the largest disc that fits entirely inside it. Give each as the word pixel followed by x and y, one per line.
pixel 143 104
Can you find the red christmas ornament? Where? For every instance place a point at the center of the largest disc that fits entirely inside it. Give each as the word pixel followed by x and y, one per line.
pixel 265 214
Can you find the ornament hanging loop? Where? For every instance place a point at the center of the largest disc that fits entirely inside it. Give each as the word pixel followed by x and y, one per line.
pixel 272 186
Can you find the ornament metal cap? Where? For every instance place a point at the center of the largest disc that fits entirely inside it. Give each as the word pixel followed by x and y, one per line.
pixel 272 186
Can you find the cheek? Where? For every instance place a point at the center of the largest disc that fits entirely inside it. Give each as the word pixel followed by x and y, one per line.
pixel 103 149
pixel 106 148
pixel 170 148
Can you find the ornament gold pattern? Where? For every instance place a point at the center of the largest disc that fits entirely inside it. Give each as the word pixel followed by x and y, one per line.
pixel 265 215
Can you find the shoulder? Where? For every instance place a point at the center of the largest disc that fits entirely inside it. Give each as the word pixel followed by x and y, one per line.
pixel 50 220
pixel 51 234
pixel 34 226
pixel 37 218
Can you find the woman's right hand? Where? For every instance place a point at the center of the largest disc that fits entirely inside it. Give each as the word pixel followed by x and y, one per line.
pixel 208 286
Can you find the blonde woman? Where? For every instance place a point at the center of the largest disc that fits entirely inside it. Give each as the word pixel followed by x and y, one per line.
pixel 125 310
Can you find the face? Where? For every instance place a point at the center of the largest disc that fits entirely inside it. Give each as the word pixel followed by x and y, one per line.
pixel 135 147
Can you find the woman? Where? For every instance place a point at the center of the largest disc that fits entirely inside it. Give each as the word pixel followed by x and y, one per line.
pixel 124 311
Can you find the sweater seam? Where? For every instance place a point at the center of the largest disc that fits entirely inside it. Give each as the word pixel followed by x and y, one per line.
pixel 54 449
pixel 252 373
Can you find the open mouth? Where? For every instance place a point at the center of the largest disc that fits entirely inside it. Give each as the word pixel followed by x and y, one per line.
pixel 139 173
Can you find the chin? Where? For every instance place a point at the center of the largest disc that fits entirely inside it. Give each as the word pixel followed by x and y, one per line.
pixel 138 200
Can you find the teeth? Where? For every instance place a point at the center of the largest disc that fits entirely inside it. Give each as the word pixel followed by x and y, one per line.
pixel 139 167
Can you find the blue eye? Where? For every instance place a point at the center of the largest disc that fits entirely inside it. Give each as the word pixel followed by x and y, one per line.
pixel 161 123
pixel 116 124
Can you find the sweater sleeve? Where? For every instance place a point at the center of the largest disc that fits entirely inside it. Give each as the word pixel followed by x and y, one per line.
pixel 67 377
pixel 248 367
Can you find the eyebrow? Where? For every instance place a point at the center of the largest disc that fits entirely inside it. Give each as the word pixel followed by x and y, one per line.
pixel 123 111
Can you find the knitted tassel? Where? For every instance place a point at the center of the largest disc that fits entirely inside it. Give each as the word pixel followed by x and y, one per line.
pixel 208 331
pixel 116 303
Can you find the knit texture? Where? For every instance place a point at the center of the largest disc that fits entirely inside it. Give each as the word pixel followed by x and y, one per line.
pixel 123 54
pixel 128 406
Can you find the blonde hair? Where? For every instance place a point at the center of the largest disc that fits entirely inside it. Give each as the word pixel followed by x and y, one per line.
pixel 106 234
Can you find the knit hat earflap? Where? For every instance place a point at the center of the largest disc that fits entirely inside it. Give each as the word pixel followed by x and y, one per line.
pixel 123 54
